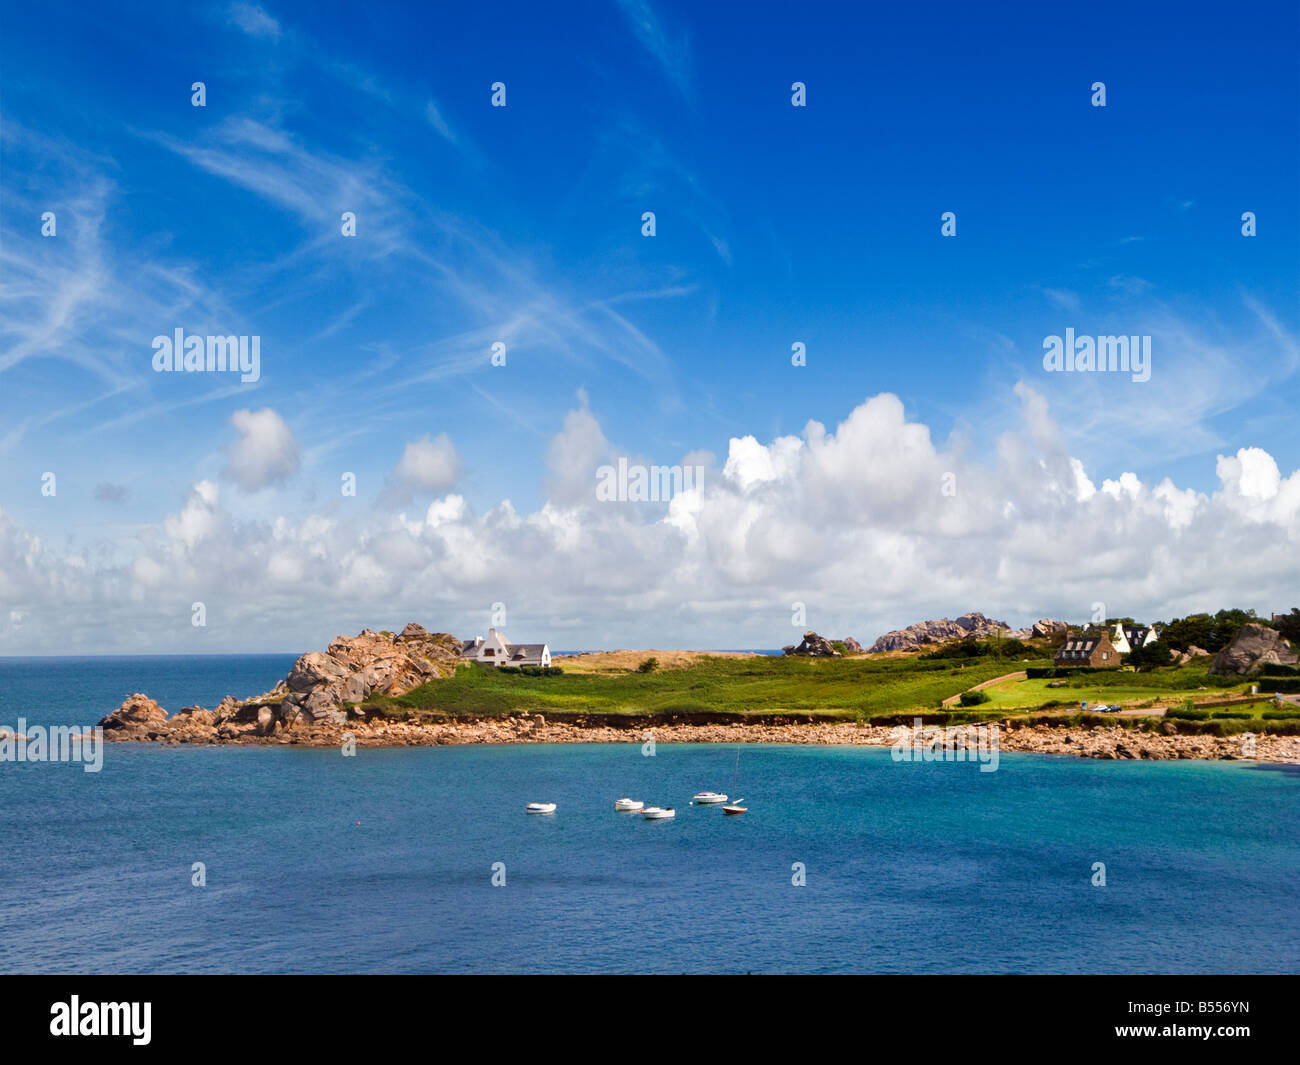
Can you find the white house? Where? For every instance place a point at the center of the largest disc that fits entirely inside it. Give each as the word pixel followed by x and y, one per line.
pixel 1126 638
pixel 496 650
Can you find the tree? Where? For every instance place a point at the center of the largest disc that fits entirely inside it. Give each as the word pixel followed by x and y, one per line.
pixel 1289 624
pixel 967 648
pixel 1151 656
pixel 1208 633
pixel 1182 633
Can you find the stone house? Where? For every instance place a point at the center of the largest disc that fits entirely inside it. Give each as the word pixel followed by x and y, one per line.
pixel 1091 649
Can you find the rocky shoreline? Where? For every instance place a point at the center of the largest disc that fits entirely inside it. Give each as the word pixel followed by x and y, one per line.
pixel 1111 742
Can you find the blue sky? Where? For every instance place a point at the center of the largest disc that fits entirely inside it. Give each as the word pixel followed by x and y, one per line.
pixel 522 224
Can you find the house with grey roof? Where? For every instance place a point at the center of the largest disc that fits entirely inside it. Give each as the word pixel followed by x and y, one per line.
pixel 496 650
pixel 1094 650
pixel 1127 638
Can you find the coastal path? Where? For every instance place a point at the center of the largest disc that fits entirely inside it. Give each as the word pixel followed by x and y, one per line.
pixel 952 699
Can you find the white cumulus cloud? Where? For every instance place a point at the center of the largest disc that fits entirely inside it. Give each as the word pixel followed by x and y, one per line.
pixel 871 524
pixel 426 466
pixel 265 453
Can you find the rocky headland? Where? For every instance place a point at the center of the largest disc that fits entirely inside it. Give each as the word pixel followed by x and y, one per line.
pixel 914 637
pixel 323 690
pixel 323 703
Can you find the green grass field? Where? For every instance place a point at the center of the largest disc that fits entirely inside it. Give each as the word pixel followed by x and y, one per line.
pixel 849 689
pixel 1161 688
pixel 844 689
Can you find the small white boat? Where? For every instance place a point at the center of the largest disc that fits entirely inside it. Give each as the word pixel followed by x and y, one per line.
pixel 629 806
pixel 656 813
pixel 541 807
pixel 709 798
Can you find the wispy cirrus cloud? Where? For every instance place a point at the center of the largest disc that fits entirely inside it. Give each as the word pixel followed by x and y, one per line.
pixel 1063 298
pixel 302 50
pixel 84 296
pixel 1202 367
pixel 669 47
pixel 96 301
pixel 434 115
pixel 253 20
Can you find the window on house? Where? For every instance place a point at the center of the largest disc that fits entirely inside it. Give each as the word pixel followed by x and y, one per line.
pixel 490 651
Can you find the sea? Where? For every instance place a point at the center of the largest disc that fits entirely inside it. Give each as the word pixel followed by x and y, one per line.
pixel 422 860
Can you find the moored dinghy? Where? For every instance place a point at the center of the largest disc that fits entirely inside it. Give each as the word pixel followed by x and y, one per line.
pixel 541 807
pixel 735 807
pixel 629 806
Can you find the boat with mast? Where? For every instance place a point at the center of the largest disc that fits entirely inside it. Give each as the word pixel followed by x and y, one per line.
pixel 734 807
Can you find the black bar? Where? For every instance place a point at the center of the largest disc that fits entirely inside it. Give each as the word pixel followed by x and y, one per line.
pixel 335 1014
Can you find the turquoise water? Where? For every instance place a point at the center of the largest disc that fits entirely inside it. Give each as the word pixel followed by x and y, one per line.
pixel 81 690
pixel 928 867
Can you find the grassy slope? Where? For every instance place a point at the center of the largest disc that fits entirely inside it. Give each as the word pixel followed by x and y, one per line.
pixel 846 689
pixel 832 688
pixel 1166 687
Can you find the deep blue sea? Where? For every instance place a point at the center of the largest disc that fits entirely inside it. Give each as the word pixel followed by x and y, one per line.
pixel 383 862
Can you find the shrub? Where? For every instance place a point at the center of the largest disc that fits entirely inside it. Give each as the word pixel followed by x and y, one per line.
pixel 973 698
pixel 1276 669
pixel 531 671
pixel 648 666
pixel 973 648
pixel 969 648
pixel 1232 714
pixel 1185 713
pixel 1280 684
pixel 841 646
pixel 1058 672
